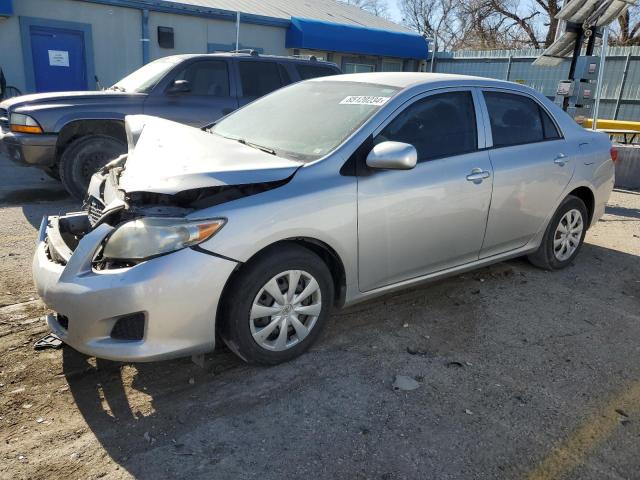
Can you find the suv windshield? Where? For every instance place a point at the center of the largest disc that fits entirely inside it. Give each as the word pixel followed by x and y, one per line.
pixel 145 78
pixel 307 120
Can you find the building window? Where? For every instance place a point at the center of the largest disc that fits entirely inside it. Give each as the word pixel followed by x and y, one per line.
pixel 391 66
pixel 165 37
pixel 358 68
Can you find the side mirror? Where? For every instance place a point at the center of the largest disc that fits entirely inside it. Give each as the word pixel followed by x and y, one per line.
pixel 179 86
pixel 393 156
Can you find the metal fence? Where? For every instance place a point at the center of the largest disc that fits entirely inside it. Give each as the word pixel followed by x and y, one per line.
pixel 621 83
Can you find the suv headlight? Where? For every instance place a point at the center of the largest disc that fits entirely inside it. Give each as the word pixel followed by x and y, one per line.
pixel 21 123
pixel 149 237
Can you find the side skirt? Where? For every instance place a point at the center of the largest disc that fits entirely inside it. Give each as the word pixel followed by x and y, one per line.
pixel 483 262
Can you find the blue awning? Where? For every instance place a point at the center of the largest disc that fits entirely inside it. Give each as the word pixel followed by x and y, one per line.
pixel 335 37
pixel 6 8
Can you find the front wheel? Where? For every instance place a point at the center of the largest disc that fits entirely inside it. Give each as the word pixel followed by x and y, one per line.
pixel 84 157
pixel 564 235
pixel 276 307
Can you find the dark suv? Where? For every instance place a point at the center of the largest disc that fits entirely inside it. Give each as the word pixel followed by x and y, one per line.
pixel 72 134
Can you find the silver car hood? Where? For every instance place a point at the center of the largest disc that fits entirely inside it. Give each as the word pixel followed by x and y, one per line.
pixel 170 157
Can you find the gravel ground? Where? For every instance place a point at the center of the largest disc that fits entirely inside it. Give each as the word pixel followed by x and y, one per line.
pixel 521 374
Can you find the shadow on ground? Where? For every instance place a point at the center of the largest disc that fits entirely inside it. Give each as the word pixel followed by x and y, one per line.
pixel 502 375
pixel 29 195
pixel 633 213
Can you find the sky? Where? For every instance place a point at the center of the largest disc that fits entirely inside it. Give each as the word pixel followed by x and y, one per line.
pixel 394 11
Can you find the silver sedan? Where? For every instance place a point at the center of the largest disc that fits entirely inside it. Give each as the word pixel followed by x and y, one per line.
pixel 322 194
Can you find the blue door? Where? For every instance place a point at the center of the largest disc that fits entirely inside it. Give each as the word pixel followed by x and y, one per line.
pixel 59 61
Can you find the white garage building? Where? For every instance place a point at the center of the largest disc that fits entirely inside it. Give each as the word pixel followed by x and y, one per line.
pixel 67 44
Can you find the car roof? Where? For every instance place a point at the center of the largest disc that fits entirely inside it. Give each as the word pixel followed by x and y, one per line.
pixel 284 58
pixel 409 79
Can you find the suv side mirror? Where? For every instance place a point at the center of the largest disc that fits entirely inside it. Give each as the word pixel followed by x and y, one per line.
pixel 393 156
pixel 179 86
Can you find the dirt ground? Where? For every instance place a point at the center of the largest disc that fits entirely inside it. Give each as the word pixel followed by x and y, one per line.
pixel 522 374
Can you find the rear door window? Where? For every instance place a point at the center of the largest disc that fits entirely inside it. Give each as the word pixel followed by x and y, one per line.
pixel 307 71
pixel 517 119
pixel 259 78
pixel 437 126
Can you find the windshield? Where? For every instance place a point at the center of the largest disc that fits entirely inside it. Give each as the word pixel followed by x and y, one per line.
pixel 307 120
pixel 145 78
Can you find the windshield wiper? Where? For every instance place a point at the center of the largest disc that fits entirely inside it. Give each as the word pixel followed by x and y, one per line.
pixel 256 146
pixel 116 88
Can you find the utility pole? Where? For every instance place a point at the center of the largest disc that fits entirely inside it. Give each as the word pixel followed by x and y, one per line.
pixel 603 58
pixel 237 31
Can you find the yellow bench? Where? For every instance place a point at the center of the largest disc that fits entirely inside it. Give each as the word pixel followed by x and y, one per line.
pixel 626 130
pixel 613 124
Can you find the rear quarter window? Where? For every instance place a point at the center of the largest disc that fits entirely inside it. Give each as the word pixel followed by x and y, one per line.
pixel 307 71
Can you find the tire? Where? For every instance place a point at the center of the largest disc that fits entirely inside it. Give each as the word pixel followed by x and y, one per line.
pixel 85 156
pixel 246 292
pixel 552 256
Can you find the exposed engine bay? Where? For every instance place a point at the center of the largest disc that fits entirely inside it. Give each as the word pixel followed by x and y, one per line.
pixel 102 207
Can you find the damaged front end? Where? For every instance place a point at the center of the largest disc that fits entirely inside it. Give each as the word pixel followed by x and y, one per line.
pixel 120 273
pixel 156 181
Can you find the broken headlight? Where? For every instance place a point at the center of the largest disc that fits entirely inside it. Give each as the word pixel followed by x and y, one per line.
pixel 149 237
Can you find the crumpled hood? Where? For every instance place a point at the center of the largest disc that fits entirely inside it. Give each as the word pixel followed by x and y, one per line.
pixel 170 157
pixel 63 97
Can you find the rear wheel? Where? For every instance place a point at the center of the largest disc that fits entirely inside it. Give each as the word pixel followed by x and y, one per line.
pixel 84 157
pixel 564 235
pixel 275 309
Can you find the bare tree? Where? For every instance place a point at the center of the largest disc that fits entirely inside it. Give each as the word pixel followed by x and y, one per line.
pixel 483 23
pixel 500 24
pixel 531 23
pixel 437 20
pixel 627 30
pixel 376 7
pixel 523 18
pixel 485 29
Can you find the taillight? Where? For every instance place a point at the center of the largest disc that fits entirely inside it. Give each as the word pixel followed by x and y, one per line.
pixel 614 154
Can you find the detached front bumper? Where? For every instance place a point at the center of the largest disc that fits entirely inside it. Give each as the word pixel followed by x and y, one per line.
pixel 30 149
pixel 176 295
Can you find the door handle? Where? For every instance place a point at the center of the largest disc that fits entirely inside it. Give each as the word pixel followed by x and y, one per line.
pixel 477 175
pixel 560 159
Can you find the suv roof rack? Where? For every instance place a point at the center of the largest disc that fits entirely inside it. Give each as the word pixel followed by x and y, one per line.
pixel 255 53
pixel 250 51
pixel 311 58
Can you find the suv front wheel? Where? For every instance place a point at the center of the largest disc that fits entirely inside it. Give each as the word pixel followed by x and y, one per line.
pixel 84 157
